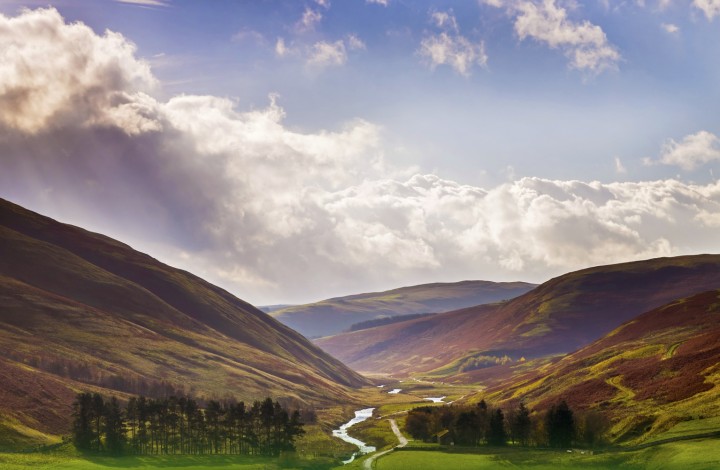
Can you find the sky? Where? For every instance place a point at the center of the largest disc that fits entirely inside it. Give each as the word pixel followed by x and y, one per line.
pixel 291 151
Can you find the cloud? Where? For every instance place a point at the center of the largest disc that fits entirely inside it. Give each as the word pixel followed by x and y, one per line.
pixel 327 53
pixel 584 44
pixel 710 8
pixel 691 152
pixel 310 19
pixel 269 212
pixel 355 43
pixel 619 167
pixel 379 2
pixel 670 28
pixel 449 47
pixel 147 3
pixel 46 78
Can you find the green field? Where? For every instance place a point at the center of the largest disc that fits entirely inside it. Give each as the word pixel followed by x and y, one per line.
pixel 702 454
pixel 69 462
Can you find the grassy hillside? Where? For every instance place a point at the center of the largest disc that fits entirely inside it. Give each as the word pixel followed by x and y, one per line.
pixel 333 316
pixel 557 317
pixel 80 311
pixel 657 375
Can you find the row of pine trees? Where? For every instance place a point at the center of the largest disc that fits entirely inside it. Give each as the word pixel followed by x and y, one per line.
pixel 558 427
pixel 180 425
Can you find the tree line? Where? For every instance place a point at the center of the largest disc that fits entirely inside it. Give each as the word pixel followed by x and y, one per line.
pixel 180 425
pixel 558 427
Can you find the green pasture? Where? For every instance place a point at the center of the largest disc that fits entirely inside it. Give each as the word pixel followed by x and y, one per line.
pixel 686 455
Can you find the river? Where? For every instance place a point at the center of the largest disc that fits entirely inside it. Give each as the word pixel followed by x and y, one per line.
pixel 341 432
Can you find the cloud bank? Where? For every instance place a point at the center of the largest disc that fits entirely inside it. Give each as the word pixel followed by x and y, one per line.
pixel 276 214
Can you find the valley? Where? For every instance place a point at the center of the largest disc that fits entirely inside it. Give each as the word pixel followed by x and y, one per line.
pixel 632 349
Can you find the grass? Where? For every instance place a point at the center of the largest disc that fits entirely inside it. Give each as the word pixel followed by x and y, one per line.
pixel 701 454
pixel 70 462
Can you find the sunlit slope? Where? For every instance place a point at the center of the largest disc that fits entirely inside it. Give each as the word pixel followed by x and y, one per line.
pixel 335 315
pixel 655 371
pixel 557 317
pixel 78 307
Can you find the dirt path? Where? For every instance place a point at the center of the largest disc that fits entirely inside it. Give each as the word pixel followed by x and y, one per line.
pixel 402 442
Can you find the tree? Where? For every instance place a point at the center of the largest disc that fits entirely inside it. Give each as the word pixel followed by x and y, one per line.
pixel 417 425
pixel 496 432
pixel 83 422
pixel 114 427
pixel 465 430
pixel 560 425
pixel 521 425
pixel 592 428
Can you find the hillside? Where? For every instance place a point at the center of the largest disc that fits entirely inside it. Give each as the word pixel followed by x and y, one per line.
pixel 657 370
pixel 80 311
pixel 557 317
pixel 336 315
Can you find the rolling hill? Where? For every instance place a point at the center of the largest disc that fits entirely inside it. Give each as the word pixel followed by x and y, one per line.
pixel 557 317
pixel 653 372
pixel 81 311
pixel 333 316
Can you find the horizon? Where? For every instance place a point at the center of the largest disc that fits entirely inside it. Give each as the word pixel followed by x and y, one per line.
pixel 293 152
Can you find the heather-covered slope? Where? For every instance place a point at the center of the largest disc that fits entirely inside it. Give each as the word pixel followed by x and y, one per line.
pixel 80 308
pixel 557 317
pixel 660 368
pixel 336 315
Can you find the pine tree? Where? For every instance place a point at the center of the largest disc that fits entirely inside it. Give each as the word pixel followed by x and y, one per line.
pixel 496 433
pixel 521 425
pixel 560 425
pixel 83 422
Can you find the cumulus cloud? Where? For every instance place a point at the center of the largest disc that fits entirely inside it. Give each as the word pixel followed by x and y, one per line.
pixel 451 48
pixel 691 152
pixel 710 8
pixel 545 21
pixel 273 213
pixel 46 78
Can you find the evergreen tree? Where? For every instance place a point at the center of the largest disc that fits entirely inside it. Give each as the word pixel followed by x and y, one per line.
pixel 560 425
pixel 83 422
pixel 521 425
pixel 114 427
pixel 496 432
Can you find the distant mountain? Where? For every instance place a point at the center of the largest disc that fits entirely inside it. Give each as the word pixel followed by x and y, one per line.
pixel 333 316
pixel 81 311
pixel 272 308
pixel 557 317
pixel 656 370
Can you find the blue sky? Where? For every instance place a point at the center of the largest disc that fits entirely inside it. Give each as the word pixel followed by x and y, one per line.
pixel 335 147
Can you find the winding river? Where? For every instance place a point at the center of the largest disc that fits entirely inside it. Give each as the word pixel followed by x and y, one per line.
pixel 341 432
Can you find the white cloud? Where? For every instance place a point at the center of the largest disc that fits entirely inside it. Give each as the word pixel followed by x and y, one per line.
pixel 694 150
pixel 379 2
pixel 445 20
pixel 147 3
pixel 619 167
pixel 449 47
pixel 328 53
pixel 355 43
pixel 710 8
pixel 242 199
pixel 670 28
pixel 544 21
pixel 46 77
pixel 310 19
pixel 281 49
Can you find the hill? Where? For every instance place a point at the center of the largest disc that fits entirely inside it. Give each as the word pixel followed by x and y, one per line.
pixel 653 372
pixel 333 316
pixel 557 317
pixel 81 311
